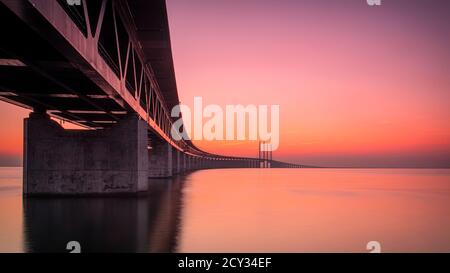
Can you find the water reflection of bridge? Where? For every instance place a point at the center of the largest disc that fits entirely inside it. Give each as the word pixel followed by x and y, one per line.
pixel 148 223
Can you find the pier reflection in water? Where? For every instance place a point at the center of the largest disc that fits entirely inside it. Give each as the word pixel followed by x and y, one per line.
pixel 147 223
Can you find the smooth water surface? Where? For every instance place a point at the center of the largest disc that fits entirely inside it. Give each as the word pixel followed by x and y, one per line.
pixel 241 210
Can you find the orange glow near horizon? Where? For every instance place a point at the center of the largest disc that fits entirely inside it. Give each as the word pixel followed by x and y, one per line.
pixel 356 85
pixel 353 83
pixel 11 124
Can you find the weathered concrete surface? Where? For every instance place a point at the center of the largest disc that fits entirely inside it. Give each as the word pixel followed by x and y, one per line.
pixel 59 161
pixel 160 159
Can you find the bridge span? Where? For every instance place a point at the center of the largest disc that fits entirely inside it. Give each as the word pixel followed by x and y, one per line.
pixel 105 65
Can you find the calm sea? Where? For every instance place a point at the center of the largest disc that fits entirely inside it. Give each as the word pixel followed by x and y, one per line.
pixel 241 210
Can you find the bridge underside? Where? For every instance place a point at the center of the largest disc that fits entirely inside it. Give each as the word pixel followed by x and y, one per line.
pixel 35 75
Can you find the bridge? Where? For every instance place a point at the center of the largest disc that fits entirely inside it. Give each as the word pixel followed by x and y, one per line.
pixel 105 65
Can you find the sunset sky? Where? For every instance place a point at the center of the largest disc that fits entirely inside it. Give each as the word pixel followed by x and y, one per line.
pixel 357 85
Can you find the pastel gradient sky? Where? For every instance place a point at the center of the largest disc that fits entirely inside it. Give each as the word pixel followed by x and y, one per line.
pixel 357 85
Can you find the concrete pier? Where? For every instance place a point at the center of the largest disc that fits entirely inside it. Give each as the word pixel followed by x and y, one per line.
pixel 160 159
pixel 178 162
pixel 73 162
pixel 185 163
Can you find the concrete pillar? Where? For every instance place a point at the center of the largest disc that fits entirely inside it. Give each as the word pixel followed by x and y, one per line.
pixel 196 161
pixel 185 167
pixel 77 162
pixel 160 159
pixel 179 163
pixel 174 161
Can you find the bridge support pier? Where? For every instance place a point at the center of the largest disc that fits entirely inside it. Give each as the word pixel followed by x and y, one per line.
pixel 179 163
pixel 160 159
pixel 188 163
pixel 174 161
pixel 77 162
pixel 195 163
pixel 184 162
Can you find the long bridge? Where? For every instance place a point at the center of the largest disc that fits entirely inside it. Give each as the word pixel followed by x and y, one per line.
pixel 105 65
